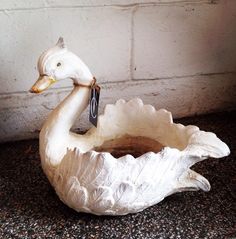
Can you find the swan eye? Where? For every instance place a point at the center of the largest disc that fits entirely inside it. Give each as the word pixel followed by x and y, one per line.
pixel 58 64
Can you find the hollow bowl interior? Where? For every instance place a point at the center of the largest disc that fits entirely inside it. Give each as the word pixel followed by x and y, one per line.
pixel 133 145
pixel 134 128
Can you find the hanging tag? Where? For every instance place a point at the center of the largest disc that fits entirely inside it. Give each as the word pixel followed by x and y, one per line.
pixel 93 104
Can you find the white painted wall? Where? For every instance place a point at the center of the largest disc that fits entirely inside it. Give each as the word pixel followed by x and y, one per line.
pixel 179 55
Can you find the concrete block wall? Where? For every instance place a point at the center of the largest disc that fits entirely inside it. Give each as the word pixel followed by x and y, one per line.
pixel 179 55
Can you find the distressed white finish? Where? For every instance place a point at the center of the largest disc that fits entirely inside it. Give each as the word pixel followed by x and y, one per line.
pixel 101 184
pixel 179 49
pixel 98 183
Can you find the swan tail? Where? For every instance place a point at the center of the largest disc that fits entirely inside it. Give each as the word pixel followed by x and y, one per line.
pixel 192 181
pixel 203 145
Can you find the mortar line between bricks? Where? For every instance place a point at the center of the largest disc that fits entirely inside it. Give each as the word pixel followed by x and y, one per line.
pixel 118 6
pixel 185 76
pixel 130 81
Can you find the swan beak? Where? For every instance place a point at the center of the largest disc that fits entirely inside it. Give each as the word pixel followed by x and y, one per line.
pixel 42 84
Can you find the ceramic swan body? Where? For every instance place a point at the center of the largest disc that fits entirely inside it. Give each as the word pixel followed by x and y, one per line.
pixel 97 182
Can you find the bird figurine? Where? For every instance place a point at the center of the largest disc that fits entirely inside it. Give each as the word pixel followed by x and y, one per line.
pixel 133 159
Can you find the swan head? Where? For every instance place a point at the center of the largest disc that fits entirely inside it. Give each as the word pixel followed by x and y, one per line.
pixel 56 64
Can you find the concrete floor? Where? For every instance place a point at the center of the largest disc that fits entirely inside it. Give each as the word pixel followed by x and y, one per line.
pixel 29 208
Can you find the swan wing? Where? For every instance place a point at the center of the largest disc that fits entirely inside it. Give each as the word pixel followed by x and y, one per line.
pixel 101 184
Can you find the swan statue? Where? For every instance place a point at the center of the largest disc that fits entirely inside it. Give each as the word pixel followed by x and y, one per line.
pixel 133 159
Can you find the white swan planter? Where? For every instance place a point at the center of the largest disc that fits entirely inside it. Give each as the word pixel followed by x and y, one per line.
pixel 83 169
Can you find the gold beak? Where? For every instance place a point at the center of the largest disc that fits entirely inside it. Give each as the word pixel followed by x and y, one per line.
pixel 42 84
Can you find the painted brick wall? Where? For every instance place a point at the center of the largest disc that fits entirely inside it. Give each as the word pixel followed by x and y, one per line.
pixel 179 55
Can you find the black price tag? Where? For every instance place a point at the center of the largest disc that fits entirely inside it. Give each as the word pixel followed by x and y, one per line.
pixel 93 104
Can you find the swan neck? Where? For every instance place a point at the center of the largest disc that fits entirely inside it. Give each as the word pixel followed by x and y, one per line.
pixel 71 108
pixel 55 135
pixel 57 127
